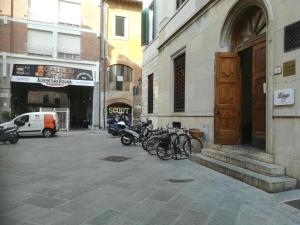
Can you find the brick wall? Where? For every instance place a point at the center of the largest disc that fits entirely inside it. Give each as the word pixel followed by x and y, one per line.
pixel 90 46
pixel 18 37
pixel 5 36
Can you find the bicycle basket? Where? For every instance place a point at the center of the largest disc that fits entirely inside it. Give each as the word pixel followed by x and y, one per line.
pixel 196 133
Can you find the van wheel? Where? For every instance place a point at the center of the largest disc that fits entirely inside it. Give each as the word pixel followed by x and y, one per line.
pixel 47 133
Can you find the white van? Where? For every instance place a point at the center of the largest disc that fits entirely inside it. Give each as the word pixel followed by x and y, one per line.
pixel 37 123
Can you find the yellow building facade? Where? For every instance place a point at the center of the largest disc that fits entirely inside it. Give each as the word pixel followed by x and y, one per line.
pixel 123 58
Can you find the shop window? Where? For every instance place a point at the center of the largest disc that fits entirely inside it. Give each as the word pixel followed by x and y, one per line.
pixel 45 99
pixel 57 102
pixel 119 77
pixel 150 93
pixel 179 3
pixel 179 83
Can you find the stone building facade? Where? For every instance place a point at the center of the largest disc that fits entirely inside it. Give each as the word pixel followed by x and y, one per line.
pixel 230 68
pixel 44 34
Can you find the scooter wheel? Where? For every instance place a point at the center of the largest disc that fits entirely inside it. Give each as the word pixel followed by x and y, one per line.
pixel 126 139
pixel 14 140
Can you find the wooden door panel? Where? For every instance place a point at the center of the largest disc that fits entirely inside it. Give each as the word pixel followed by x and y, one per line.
pixel 258 95
pixel 227 100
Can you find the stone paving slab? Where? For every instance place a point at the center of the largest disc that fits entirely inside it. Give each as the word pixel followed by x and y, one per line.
pixel 64 181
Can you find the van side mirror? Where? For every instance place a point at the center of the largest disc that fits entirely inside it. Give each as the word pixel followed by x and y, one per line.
pixel 19 123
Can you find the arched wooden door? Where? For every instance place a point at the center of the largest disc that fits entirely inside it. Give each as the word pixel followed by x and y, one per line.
pixel 241 73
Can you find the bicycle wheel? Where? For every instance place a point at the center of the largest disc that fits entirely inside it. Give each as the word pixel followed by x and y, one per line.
pixel 151 145
pixel 144 144
pixel 187 147
pixel 164 152
pixel 179 145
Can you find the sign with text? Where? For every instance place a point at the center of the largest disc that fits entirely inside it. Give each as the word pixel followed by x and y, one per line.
pixel 52 76
pixel 119 111
pixel 289 68
pixel 284 97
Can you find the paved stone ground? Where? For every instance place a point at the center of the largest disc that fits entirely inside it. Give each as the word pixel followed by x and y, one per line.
pixel 64 181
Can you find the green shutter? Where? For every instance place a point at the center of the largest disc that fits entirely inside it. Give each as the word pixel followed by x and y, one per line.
pixel 145 26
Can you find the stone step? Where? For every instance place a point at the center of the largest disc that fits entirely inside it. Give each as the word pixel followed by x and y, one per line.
pixel 268 169
pixel 249 152
pixel 266 183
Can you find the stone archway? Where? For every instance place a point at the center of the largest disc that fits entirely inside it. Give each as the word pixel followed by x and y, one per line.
pixel 237 11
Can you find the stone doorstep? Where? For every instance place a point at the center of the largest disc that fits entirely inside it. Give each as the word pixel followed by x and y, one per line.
pixel 266 183
pixel 268 169
pixel 248 152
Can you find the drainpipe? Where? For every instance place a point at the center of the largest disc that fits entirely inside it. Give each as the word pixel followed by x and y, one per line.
pixel 103 60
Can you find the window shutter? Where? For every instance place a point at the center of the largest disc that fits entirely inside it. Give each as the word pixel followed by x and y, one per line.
pixel 120 26
pixel 68 43
pixel 70 13
pixel 39 42
pixel 145 26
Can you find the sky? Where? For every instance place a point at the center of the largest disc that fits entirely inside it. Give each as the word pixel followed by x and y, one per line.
pixel 146 3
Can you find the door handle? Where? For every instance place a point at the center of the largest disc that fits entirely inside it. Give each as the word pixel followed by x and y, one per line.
pixel 29 124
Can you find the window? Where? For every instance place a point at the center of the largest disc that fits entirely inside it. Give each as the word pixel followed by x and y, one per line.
pixel 44 11
pixel 24 119
pixel 120 27
pixel 292 37
pixel 69 13
pixel 119 77
pixel 150 93
pixel 179 83
pixel 148 24
pixel 45 99
pixel 39 42
pixel 179 3
pixel 1 68
pixel 68 46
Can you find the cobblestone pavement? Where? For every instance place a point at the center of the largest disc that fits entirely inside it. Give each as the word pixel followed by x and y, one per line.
pixel 65 181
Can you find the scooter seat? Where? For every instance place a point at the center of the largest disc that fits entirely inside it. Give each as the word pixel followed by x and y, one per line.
pixel 6 129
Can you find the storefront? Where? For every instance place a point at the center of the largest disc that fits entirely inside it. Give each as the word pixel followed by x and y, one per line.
pixel 119 111
pixel 51 86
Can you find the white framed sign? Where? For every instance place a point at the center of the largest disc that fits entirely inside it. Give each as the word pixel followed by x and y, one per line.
pixel 284 97
pixel 52 75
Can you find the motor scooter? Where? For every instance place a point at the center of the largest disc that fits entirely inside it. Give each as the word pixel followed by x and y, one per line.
pixel 116 128
pixel 10 133
pixel 136 135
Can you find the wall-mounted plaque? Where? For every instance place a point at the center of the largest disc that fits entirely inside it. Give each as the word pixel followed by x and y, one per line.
pixel 289 68
pixel 284 97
